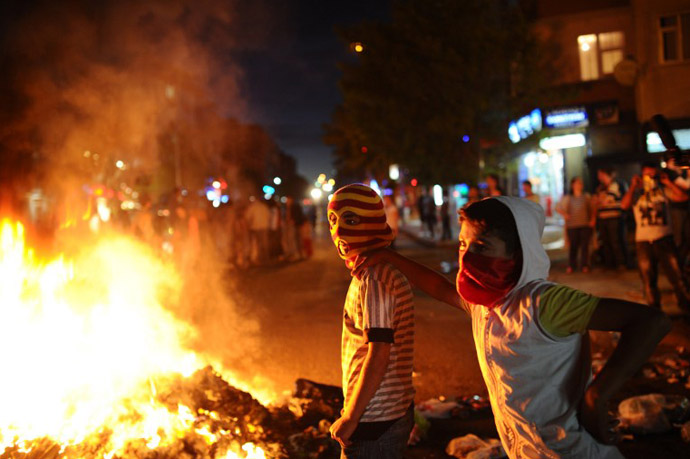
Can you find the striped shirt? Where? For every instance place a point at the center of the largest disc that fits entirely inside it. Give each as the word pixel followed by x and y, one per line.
pixel 578 209
pixel 610 201
pixel 379 308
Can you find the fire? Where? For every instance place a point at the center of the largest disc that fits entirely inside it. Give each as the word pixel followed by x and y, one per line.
pixel 84 343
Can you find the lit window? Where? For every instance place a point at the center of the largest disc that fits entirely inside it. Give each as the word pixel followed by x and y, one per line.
pixel 611 46
pixel 589 66
pixel 599 53
pixel 674 37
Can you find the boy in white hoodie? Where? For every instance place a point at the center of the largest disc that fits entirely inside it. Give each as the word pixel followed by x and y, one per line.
pixel 531 334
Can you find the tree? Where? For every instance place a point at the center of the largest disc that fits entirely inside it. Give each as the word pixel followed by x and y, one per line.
pixel 440 70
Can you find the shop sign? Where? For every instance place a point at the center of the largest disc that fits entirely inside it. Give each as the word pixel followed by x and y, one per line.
pixel 567 117
pixel 525 126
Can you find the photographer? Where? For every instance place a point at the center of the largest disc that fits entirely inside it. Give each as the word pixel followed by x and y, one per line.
pixel 680 215
pixel 650 197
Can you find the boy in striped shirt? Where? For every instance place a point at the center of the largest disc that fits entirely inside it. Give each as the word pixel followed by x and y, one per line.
pixel 378 334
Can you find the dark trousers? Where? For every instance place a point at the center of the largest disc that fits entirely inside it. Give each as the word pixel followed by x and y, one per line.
pixel 446 236
pixel 579 238
pixel 613 246
pixel 680 223
pixel 649 256
pixel 390 445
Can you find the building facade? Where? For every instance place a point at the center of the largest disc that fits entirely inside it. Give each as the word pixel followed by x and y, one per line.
pixel 620 62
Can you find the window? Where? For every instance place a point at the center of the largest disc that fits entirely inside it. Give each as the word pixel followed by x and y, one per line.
pixel 599 53
pixel 674 37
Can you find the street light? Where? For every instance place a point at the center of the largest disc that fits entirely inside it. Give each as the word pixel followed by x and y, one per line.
pixel 358 47
pixel 316 194
pixel 277 180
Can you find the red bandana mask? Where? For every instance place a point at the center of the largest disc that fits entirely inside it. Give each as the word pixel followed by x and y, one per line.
pixel 486 280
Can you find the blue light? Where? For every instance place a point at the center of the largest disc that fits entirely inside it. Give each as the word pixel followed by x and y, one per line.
pixel 463 189
pixel 268 189
pixel 513 133
pixel 465 138
pixel 211 195
pixel 224 199
pixel 535 120
pixel 567 117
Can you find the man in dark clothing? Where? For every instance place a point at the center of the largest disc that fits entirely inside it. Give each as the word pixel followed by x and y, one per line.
pixel 610 219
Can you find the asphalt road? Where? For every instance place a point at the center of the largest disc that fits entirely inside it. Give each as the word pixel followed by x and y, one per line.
pixel 298 308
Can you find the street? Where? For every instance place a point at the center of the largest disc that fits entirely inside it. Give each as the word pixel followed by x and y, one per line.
pixel 298 308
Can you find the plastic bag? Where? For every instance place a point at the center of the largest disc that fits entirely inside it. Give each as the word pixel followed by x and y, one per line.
pixel 644 414
pixel 472 447
pixel 437 409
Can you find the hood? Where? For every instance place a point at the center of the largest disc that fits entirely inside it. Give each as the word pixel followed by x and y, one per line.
pixel 529 219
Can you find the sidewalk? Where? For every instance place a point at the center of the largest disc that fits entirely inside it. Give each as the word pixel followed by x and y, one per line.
pixel 552 239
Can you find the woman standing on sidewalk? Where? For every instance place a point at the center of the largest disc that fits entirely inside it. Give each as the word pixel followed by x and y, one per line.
pixel 577 208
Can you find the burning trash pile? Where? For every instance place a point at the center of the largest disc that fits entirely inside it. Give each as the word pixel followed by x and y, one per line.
pixel 97 367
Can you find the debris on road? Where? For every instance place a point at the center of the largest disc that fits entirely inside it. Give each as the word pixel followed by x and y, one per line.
pixel 653 413
pixel 472 447
pixel 420 430
pixel 460 407
pixel 685 432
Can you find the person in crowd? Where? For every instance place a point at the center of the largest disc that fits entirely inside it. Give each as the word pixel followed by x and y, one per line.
pixel 275 240
pixel 648 196
pixel 378 334
pixel 445 220
pixel 492 186
pixel 258 218
pixel 142 223
pixel 610 219
pixel 579 212
pixel 306 237
pixel 292 222
pixel 528 193
pixel 531 335
pixel 421 209
pixel 392 216
pixel 680 212
pixel 473 195
pixel 430 215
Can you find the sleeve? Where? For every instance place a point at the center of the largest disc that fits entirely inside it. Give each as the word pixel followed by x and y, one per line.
pixel 564 310
pixel 378 303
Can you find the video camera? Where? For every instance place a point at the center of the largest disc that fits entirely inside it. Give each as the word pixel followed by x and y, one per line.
pixel 661 126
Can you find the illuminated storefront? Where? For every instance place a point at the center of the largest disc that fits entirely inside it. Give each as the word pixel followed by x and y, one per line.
pixel 551 148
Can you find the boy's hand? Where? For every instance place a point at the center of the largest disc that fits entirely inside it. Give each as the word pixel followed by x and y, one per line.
pixel 342 430
pixel 367 259
pixel 595 418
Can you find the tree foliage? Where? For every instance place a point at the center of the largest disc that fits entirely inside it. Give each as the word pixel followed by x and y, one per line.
pixel 437 71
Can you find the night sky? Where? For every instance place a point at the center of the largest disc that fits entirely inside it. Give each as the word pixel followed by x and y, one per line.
pixel 291 84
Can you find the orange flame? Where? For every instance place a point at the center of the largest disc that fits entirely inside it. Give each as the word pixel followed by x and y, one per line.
pixel 81 341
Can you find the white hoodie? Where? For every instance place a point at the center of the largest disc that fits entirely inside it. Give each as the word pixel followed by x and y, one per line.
pixel 535 380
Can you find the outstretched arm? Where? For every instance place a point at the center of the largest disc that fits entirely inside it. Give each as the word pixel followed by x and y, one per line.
pixel 431 282
pixel 642 328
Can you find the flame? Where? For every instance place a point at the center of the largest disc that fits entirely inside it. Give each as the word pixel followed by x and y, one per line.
pixel 82 342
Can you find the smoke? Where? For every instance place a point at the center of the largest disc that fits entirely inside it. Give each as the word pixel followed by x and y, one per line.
pixel 86 84
pixel 108 77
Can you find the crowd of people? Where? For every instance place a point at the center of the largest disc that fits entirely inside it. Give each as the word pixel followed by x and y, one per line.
pixel 245 233
pixel 653 208
pixel 261 232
